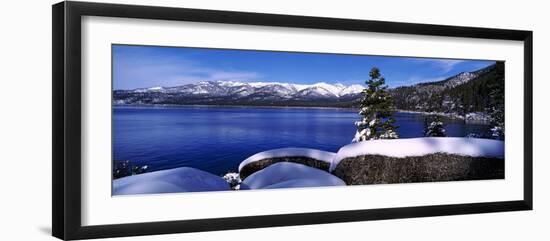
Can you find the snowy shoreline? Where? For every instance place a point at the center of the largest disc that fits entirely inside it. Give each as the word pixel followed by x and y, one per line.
pixel 368 162
pixel 474 117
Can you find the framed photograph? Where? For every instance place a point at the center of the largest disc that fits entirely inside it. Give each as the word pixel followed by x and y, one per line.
pixel 169 120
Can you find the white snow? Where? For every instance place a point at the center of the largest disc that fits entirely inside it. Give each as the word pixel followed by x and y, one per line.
pixel 261 84
pixel 183 179
pixel 474 147
pixel 361 135
pixel 352 89
pixel 288 174
pixel 296 87
pixel 290 152
pixel 460 79
pixel 333 89
pixel 306 182
pixel 226 87
pixel 477 117
pixel 300 87
pixel 233 178
pixel 230 83
pixel 364 131
pixel 391 134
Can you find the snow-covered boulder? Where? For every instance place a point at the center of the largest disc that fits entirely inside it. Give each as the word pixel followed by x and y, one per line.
pixel 310 157
pixel 183 179
pixel 419 160
pixel 289 175
pixel 422 146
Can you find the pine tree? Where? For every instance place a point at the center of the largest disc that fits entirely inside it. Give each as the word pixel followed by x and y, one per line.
pixel 435 128
pixel 496 105
pixel 376 111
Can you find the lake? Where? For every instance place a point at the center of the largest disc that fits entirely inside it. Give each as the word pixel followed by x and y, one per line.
pixel 217 139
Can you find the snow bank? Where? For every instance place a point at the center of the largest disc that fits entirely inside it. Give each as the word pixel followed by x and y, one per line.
pixel 183 179
pixel 304 182
pixel 288 174
pixel 324 156
pixel 422 146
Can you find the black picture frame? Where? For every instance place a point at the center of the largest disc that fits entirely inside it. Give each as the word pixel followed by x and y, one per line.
pixel 66 127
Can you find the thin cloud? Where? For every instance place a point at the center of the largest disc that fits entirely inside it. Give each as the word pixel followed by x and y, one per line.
pixel 448 64
pixel 210 75
pixel 444 65
pixel 351 81
pixel 239 76
pixel 133 73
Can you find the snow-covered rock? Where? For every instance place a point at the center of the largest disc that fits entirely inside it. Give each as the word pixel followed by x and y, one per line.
pixel 183 179
pixel 324 156
pixel 473 147
pixel 288 175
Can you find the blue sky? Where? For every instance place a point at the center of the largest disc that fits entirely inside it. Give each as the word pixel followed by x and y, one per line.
pixel 149 66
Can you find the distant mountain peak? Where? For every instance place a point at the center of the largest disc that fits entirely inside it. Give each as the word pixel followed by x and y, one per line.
pixel 320 89
pixel 227 92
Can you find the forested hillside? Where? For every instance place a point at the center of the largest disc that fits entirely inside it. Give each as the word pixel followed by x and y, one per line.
pixel 461 94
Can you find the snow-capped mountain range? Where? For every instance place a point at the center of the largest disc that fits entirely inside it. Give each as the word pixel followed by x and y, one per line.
pixel 243 89
pixel 287 94
pixel 243 93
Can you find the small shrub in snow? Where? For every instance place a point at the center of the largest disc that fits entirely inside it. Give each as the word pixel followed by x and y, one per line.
pixel 234 180
pixel 435 128
pixel 139 169
pixel 127 168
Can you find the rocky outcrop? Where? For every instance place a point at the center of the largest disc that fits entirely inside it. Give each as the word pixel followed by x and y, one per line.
pixel 378 169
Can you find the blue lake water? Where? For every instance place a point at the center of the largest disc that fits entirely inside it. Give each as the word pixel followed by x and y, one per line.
pixel 217 139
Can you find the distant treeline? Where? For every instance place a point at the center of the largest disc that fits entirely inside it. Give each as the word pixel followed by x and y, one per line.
pixel 472 96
